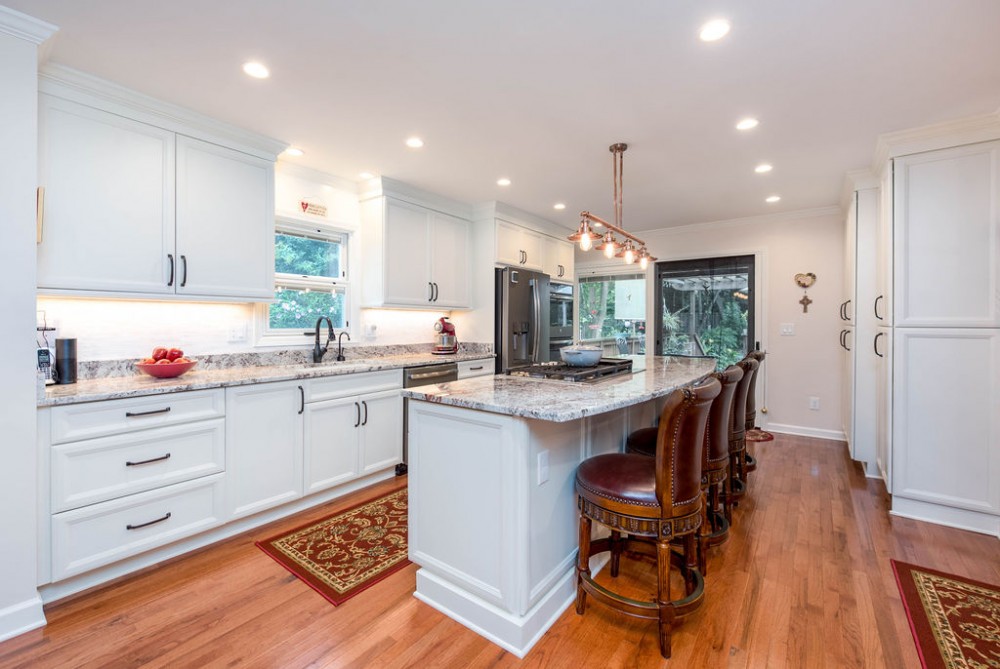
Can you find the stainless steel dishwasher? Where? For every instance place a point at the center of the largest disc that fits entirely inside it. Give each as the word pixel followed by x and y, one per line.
pixel 425 375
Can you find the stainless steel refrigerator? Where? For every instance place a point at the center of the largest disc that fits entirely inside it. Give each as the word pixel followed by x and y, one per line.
pixel 522 318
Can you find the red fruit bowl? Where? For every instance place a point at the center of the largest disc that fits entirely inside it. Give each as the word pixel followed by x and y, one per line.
pixel 167 371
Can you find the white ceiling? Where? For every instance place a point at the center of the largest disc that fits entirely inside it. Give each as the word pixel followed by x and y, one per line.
pixel 537 91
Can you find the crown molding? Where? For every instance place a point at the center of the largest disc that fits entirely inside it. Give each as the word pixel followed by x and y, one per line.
pixel 957 132
pixel 386 186
pixel 796 215
pixel 310 174
pixel 854 180
pixel 507 212
pixel 65 82
pixel 25 27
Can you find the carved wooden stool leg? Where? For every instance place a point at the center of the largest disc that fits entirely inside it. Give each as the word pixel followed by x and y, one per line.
pixel 616 552
pixel 703 532
pixel 666 609
pixel 582 563
pixel 690 562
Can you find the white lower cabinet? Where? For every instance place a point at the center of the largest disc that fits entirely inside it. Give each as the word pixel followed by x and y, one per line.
pixel 470 368
pixel 381 431
pixel 331 448
pixel 264 444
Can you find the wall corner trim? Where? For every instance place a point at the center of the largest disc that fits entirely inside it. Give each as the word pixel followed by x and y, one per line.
pixel 22 617
pixel 25 27
pixel 803 431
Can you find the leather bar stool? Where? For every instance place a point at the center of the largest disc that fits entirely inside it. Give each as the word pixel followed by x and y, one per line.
pixel 715 463
pixel 751 461
pixel 737 439
pixel 662 503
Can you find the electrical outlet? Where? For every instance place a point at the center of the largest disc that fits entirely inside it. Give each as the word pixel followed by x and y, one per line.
pixel 788 329
pixel 543 467
pixel 814 403
pixel 238 333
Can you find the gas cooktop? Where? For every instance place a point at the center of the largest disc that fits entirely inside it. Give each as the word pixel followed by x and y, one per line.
pixel 560 371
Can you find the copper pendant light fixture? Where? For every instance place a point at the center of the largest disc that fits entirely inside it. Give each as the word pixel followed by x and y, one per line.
pixel 632 249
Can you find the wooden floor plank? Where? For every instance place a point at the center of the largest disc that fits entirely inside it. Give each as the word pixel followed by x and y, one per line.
pixel 804 581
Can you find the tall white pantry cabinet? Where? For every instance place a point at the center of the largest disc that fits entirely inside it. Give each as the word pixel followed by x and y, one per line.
pixel 937 338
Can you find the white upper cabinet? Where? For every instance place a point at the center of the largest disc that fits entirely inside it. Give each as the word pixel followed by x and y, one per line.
pixel 133 209
pixel 414 256
pixel 517 245
pixel 109 201
pixel 947 238
pixel 559 260
pixel 225 222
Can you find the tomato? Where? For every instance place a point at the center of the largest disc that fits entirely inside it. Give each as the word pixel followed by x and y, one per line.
pixel 159 353
pixel 163 361
pixel 175 353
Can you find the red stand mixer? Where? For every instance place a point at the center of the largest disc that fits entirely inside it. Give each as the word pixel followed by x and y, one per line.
pixel 445 341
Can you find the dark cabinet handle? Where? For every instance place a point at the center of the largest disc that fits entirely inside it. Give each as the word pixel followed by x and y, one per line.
pixel 876 308
pixel 302 405
pixel 875 343
pixel 434 291
pixel 843 306
pixel 146 462
pixel 365 404
pixel 842 332
pixel 170 257
pixel 357 407
pixel 847 316
pixel 846 335
pixel 475 369
pixel 152 522
pixel 134 414
pixel 430 288
pixel 184 276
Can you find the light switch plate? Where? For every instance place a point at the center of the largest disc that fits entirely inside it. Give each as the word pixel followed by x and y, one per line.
pixel 788 329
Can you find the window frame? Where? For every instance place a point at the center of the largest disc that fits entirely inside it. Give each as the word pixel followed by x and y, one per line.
pixel 284 337
pixel 610 273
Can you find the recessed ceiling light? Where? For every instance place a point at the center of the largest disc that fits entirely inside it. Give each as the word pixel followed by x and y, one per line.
pixel 559 206
pixel 772 199
pixel 256 70
pixel 763 168
pixel 414 142
pixel 366 175
pixel 713 30
pixel 747 124
pixel 294 151
pixel 503 181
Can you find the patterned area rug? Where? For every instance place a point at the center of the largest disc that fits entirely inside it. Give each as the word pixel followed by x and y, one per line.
pixel 759 435
pixel 955 621
pixel 340 556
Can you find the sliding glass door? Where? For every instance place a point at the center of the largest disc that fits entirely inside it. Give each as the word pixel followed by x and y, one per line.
pixel 705 307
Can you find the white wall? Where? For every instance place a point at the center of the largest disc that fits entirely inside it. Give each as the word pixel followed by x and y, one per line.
pixel 20 605
pixel 808 363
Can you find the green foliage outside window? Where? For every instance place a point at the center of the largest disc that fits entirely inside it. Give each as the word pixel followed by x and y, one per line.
pixel 310 266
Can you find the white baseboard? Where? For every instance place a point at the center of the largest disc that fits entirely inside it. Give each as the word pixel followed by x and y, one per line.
pixel 801 431
pixel 963 519
pixel 20 618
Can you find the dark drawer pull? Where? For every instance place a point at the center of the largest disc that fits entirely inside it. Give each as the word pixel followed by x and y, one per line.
pixel 152 522
pixel 134 414
pixel 475 369
pixel 146 462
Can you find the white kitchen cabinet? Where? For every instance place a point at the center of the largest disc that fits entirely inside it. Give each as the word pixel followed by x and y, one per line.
pixel 881 345
pixel 470 368
pixel 225 222
pixel 415 257
pixel 519 246
pixel 331 443
pixel 132 209
pixel 381 430
pixel 947 238
pixel 264 445
pixel 559 260
pixel 109 201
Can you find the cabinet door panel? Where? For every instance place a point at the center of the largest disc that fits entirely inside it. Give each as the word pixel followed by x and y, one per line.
pixel 947 238
pixel 882 351
pixel 382 431
pixel 451 255
pixel 109 201
pixel 946 417
pixel 509 246
pixel 407 258
pixel 225 222
pixel 331 442
pixel 263 446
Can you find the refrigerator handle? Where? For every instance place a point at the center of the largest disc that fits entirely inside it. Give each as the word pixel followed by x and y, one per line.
pixel 536 302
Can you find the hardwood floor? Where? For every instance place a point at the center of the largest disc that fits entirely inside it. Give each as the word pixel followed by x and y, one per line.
pixel 804 581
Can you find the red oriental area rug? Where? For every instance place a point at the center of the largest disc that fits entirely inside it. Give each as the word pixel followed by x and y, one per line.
pixel 757 434
pixel 955 621
pixel 340 556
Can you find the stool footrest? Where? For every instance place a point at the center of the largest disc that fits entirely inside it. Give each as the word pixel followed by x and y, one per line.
pixel 647 610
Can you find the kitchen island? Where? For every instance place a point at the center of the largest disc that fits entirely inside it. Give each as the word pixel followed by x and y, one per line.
pixel 492 460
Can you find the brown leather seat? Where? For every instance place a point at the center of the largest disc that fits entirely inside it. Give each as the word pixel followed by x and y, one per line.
pixel 751 420
pixel 642 441
pixel 737 439
pixel 624 493
pixel 715 462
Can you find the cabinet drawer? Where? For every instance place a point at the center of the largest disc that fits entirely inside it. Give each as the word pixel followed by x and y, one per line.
pixel 470 368
pixel 97 470
pixel 333 387
pixel 98 419
pixel 100 534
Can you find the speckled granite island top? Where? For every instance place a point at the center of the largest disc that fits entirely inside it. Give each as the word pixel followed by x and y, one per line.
pixel 561 401
pixel 135 385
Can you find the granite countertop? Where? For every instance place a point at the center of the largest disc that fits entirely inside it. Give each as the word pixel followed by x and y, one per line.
pixel 561 401
pixel 138 384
